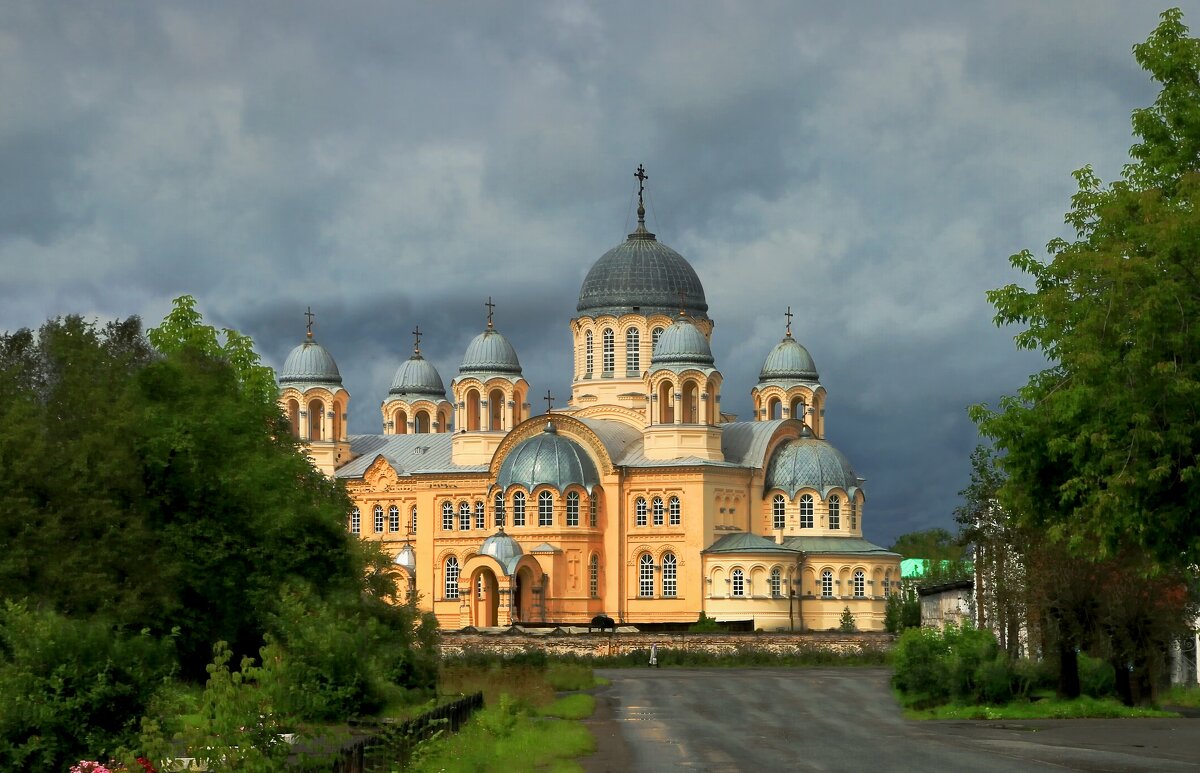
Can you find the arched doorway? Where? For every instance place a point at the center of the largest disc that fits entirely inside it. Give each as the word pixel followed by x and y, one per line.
pixel 485 599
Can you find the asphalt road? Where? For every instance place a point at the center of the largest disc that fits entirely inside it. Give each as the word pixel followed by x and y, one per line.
pixel 845 719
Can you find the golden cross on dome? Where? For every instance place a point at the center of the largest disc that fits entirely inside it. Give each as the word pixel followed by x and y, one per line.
pixel 417 340
pixel 490 307
pixel 789 315
pixel 308 315
pixel 549 398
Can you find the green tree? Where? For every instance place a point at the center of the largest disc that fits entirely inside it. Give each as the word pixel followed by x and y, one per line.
pixel 934 545
pixel 1102 448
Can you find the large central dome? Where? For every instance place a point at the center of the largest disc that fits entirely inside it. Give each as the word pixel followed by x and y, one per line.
pixel 641 276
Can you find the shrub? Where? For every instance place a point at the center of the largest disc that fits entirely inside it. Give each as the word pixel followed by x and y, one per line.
pixel 1097 678
pixel 705 624
pixel 847 623
pixel 72 689
pixel 958 663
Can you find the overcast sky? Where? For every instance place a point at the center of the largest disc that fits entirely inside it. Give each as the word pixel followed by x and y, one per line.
pixel 394 164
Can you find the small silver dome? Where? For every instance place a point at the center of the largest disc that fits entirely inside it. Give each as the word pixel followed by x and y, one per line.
pixel 417 377
pixel 807 462
pixel 547 459
pixel 310 363
pixel 682 344
pixel 490 353
pixel 788 361
pixel 504 549
pixel 407 558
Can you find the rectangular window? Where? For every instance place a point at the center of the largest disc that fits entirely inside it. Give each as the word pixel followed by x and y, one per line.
pixel 378 519
pixel 673 509
pixel 480 520
pixel 594 577
pixel 835 512
pixel 394 518
pixel 498 507
pixel 355 521
pixel 464 516
pixel 853 514
pixel 572 509
pixel 448 516
pixel 609 351
pixel 518 509
pixel 658 511
pixel 639 510
pixel 545 509
pixel 412 527
pixel 806 511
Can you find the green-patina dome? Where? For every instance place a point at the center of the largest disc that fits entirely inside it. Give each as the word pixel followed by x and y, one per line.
pixel 808 462
pixel 548 459
pixel 504 549
pixel 417 377
pixel 643 276
pixel 490 354
pixel 682 344
pixel 788 361
pixel 309 364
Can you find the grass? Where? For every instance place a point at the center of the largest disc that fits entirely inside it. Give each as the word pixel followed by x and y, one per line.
pixel 1051 708
pixel 572 706
pixel 1185 696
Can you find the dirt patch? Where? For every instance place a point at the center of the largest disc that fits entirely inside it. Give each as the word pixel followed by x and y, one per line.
pixel 612 754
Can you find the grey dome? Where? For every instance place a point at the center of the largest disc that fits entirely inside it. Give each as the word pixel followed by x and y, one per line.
pixel 644 276
pixel 788 361
pixel 547 459
pixel 682 344
pixel 807 462
pixel 416 376
pixel 407 558
pixel 490 353
pixel 310 363
pixel 504 549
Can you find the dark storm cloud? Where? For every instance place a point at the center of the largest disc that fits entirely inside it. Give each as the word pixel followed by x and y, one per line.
pixel 395 164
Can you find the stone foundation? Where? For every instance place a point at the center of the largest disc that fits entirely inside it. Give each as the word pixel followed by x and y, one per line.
pixel 560 643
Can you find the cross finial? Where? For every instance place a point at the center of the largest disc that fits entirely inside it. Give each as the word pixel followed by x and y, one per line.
pixel 549 398
pixel 788 314
pixel 490 307
pixel 417 340
pixel 308 315
pixel 641 176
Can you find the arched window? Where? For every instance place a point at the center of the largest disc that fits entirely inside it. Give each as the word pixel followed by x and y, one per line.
pixel 798 409
pixel 673 510
pixel 853 514
pixel 472 401
pixel 422 423
pixel 774 408
pixel 860 584
pixel 316 412
pixel 835 512
pixel 378 519
pixel 498 510
pixel 654 336
pixel 545 509
pixel 480 521
pixel 464 516
pixel 658 511
pixel 646 576
pixel 573 509
pixel 519 508
pixel 778 513
pixel 412 526
pixel 633 352
pixel 451 578
pixel 355 521
pixel 393 519
pixel 806 511
pixel 691 403
pixel 739 583
pixel 588 355
pixel 776 582
pixel 447 516
pixel 593 519
pixel 639 511
pixel 670 575
pixel 827 584
pixel 608 342
pixel 293 412
pixel 400 422
pixel 594 576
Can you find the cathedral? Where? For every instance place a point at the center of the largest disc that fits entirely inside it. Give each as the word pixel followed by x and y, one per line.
pixel 641 499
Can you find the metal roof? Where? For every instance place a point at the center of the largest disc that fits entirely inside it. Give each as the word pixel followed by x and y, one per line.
pixel 410 454
pixel 490 354
pixel 310 364
pixel 788 361
pixel 617 437
pixel 548 459
pixel 641 275
pixel 745 442
pixel 681 344
pixel 808 462
pixel 745 542
pixel 838 546
pixel 417 377
pixel 504 549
